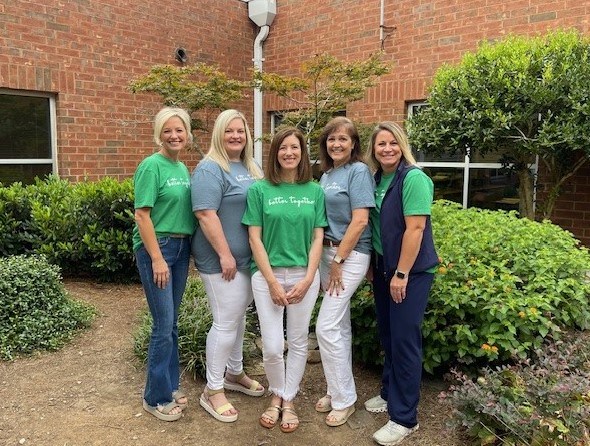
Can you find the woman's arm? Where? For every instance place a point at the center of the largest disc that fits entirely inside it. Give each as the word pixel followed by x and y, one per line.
pixel 213 231
pixel 358 223
pixel 148 237
pixel 277 293
pixel 298 292
pixel 411 240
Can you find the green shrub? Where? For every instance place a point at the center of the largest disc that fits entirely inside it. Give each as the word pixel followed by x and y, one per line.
pixel 35 311
pixel 194 322
pixel 505 284
pixel 85 228
pixel 542 403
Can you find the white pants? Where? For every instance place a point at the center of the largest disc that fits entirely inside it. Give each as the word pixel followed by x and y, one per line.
pixel 284 376
pixel 334 329
pixel 225 341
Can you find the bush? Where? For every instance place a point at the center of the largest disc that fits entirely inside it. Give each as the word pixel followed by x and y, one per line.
pixel 85 228
pixel 35 311
pixel 194 322
pixel 505 285
pixel 542 403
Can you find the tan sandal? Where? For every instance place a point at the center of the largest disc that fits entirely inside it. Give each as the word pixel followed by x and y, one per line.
pixel 339 417
pixel 292 424
pixel 324 404
pixel 255 388
pixel 217 413
pixel 270 416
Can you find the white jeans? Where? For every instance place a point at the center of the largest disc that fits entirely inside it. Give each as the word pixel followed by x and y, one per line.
pixel 334 329
pixel 283 376
pixel 225 341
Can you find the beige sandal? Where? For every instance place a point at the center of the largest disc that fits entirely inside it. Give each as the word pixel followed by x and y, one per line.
pixel 217 413
pixel 339 417
pixel 270 416
pixel 324 404
pixel 291 424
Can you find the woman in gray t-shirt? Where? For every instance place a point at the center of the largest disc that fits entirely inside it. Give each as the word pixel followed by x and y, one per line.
pixel 220 247
pixel 349 190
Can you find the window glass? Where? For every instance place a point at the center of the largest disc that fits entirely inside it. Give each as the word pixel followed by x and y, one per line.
pixel 493 189
pixel 448 183
pixel 26 123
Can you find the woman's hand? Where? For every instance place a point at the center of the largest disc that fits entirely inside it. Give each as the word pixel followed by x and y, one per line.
pixel 298 292
pixel 161 272
pixel 277 294
pixel 228 267
pixel 397 289
pixel 335 285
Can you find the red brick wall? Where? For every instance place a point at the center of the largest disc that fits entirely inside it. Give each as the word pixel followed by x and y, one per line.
pixel 87 52
pixel 426 35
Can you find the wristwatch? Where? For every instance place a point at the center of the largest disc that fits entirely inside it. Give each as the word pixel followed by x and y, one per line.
pixel 337 259
pixel 400 274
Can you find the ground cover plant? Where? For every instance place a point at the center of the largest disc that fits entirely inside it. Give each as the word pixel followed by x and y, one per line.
pixel 544 401
pixel 35 311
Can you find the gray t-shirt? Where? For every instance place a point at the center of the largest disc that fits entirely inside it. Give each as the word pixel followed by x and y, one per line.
pixel 348 187
pixel 214 188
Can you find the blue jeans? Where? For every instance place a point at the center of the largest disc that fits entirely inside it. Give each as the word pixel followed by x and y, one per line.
pixel 163 369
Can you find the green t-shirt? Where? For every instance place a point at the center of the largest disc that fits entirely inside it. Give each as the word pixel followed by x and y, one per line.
pixel 288 214
pixel 164 186
pixel 417 195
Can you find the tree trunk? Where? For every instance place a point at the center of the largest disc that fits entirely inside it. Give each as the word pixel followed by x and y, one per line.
pixel 526 189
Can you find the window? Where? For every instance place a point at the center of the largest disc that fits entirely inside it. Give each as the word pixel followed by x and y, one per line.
pixel 472 180
pixel 27 136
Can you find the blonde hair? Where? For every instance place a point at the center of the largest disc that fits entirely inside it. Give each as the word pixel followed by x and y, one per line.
pixel 217 152
pixel 402 141
pixel 164 115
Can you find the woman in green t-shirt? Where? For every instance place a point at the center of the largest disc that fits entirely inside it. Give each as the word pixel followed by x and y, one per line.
pixel 286 216
pixel 161 242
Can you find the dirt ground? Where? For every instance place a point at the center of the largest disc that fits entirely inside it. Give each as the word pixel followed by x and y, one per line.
pixel 89 393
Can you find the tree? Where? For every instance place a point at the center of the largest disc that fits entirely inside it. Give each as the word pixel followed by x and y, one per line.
pixel 526 97
pixel 194 88
pixel 324 88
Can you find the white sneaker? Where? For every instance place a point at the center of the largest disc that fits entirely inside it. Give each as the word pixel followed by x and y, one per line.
pixel 376 405
pixel 393 433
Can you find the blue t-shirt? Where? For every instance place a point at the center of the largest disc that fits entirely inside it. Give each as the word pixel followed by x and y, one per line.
pixel 348 187
pixel 225 192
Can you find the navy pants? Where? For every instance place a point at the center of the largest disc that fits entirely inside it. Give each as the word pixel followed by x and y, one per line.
pixel 400 333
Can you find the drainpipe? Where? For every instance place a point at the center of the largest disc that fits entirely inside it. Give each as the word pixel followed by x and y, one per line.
pixel 261 12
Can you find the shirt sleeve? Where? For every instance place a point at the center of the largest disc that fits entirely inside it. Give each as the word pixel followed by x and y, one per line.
pixel 418 193
pixel 321 221
pixel 362 188
pixel 145 187
pixel 253 214
pixel 207 187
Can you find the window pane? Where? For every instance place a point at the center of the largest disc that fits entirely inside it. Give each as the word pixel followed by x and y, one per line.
pixel 12 173
pixel 24 127
pixel 493 189
pixel 448 183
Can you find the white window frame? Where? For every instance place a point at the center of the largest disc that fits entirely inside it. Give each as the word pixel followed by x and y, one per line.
pixel 52 127
pixel 466 165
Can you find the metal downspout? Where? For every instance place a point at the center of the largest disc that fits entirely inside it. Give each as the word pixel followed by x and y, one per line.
pixel 258 59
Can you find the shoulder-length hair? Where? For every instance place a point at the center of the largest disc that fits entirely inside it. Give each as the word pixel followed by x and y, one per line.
pixel 164 115
pixel 217 152
pixel 402 141
pixel 273 168
pixel 337 123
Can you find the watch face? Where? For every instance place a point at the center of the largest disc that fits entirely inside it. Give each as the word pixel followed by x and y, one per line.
pixel 400 275
pixel 338 259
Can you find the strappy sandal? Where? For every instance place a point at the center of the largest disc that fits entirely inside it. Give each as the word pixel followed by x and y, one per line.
pixel 162 411
pixel 291 425
pixel 270 416
pixel 253 390
pixel 178 395
pixel 206 404
pixel 324 404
